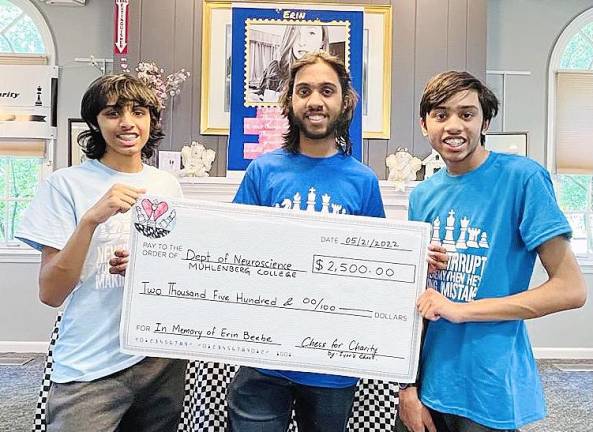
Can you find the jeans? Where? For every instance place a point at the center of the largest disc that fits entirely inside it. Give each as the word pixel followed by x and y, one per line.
pixel 452 423
pixel 262 403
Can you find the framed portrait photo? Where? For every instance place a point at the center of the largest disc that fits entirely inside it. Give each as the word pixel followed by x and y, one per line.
pixel 75 154
pixel 217 55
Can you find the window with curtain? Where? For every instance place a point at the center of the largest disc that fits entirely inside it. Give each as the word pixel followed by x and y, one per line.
pixel 573 129
pixel 21 160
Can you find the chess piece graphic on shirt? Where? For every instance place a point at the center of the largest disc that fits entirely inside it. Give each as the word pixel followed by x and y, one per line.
pixel 449 242
pixel 296 202
pixel 336 208
pixel 463 234
pixel 467 238
pixel 311 197
pixel 484 241
pixel 325 203
pixel 473 236
pixel 436 231
pixel 286 204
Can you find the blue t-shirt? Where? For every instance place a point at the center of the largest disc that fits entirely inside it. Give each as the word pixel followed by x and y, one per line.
pixel 336 184
pixel 491 220
pixel 88 344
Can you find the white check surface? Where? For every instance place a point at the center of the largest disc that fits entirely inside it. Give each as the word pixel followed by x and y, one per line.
pixel 275 288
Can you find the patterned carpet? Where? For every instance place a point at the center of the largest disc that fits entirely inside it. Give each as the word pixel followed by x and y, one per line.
pixel 569 396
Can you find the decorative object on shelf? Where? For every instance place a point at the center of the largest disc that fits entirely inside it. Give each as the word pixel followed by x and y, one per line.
pixel 432 164
pixel 164 87
pixel 197 160
pixel 402 168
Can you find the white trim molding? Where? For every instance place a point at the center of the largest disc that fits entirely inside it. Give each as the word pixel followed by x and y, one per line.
pixel 222 189
pixel 19 255
pixel 563 353
pixel 23 347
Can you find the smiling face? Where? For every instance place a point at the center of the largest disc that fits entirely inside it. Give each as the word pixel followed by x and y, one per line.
pixel 309 38
pixel 125 129
pixel 316 105
pixel 453 129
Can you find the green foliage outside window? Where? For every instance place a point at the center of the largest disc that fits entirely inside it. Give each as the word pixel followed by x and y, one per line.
pixel 18 182
pixel 18 32
pixel 19 176
pixel 574 192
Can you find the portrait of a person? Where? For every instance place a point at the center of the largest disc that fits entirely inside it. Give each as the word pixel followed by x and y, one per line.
pixel 297 40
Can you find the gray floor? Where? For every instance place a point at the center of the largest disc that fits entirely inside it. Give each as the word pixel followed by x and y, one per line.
pixel 19 389
pixel 569 396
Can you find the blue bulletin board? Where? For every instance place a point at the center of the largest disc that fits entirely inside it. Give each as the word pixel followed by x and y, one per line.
pixel 265 41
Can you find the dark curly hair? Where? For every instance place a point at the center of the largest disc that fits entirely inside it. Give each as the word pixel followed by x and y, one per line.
pixel 124 88
pixel 444 85
pixel 349 97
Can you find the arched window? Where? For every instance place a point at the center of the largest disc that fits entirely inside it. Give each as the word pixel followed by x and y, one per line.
pixel 570 129
pixel 25 39
pixel 24 33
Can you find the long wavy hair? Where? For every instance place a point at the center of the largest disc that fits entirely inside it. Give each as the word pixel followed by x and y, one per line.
pixel 123 88
pixel 287 57
pixel 349 99
pixel 446 84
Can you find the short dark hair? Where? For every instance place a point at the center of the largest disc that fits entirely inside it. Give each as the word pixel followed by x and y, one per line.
pixel 124 88
pixel 444 85
pixel 349 98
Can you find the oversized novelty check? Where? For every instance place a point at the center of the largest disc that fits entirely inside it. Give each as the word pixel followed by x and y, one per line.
pixel 275 288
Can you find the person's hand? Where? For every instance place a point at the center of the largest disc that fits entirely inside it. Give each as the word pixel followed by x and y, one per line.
pixel 413 413
pixel 118 199
pixel 437 258
pixel 433 305
pixel 119 263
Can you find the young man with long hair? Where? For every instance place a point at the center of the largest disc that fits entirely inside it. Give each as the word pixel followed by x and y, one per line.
pixel 315 161
pixel 78 219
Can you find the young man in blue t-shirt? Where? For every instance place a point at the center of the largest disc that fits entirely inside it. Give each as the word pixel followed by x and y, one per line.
pixel 313 166
pixel 494 213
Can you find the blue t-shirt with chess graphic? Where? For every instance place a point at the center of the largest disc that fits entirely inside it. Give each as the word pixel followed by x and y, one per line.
pixel 336 184
pixel 491 220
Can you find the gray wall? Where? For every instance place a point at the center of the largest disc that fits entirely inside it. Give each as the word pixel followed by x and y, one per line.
pixel 77 32
pixel 515 42
pixel 521 36
pixel 429 36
